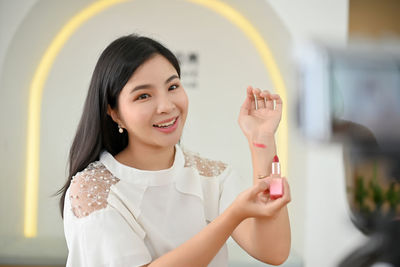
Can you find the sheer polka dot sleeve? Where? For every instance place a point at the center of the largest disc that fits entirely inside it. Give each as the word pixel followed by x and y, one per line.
pixel 90 188
pixel 97 233
pixel 205 167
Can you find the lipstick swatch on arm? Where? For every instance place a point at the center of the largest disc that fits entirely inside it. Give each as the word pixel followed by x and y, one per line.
pixel 259 145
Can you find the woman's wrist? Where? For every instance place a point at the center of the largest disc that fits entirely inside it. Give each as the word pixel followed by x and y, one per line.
pixel 263 140
pixel 262 157
pixel 235 211
pixel 262 148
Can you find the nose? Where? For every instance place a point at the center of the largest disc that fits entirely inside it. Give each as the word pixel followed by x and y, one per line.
pixel 165 104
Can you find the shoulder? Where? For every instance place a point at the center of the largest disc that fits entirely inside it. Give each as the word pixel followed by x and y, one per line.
pixel 205 167
pixel 89 189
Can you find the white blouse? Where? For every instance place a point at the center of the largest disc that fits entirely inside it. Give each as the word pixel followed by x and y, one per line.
pixel 118 216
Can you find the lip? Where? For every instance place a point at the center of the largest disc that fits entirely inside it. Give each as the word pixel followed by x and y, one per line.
pixel 169 129
pixel 166 121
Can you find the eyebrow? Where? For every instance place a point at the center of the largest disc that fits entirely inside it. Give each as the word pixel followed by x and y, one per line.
pixel 146 86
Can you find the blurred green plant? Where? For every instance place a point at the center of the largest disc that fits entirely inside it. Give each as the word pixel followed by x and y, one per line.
pixel 361 194
pixel 393 197
pixel 376 190
pixel 376 193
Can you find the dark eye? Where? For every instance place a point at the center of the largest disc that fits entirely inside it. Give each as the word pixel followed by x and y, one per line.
pixel 173 87
pixel 143 96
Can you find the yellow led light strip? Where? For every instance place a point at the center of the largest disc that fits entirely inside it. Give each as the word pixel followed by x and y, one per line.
pixel 42 71
pixel 255 37
pixel 34 106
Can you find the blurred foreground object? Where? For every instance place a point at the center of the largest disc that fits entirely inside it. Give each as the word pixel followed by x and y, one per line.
pixel 352 96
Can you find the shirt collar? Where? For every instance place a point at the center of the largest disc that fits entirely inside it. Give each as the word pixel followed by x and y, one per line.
pixel 144 177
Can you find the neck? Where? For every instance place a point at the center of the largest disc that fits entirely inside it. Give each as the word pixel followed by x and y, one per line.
pixel 145 157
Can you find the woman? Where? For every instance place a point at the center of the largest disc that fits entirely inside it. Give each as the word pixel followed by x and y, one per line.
pixel 133 197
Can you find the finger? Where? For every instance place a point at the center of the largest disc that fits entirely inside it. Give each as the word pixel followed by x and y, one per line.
pixel 250 96
pixel 254 92
pixel 259 187
pixel 274 205
pixel 247 105
pixel 268 103
pixel 286 191
pixel 259 98
pixel 278 102
pixel 285 199
pixel 266 180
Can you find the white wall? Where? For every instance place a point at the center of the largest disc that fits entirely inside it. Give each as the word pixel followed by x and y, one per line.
pixel 12 14
pixel 314 19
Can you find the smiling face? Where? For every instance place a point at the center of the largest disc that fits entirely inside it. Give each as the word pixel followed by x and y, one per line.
pixel 152 106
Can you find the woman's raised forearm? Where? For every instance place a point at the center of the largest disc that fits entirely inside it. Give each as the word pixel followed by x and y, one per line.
pixel 267 239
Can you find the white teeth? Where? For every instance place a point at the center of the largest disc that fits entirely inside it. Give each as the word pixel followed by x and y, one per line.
pixel 165 124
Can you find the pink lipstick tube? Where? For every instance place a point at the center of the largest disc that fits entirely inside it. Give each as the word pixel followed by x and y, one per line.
pixel 276 185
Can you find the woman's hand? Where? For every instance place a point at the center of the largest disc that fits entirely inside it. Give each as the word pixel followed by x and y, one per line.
pixel 262 122
pixel 255 201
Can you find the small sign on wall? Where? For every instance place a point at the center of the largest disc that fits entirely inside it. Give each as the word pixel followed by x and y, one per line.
pixel 189 62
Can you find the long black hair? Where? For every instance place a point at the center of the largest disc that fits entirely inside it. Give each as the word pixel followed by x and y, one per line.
pixel 96 130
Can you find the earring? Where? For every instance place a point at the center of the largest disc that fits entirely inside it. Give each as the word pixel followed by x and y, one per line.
pixel 120 130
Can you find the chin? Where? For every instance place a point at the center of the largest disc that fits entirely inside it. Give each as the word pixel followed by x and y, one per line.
pixel 167 140
pixel 167 143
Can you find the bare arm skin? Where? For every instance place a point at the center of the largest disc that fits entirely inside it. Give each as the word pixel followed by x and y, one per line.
pixel 267 239
pixel 201 248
